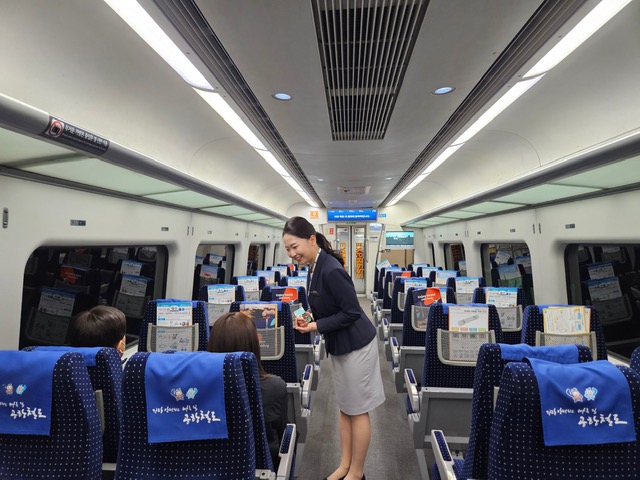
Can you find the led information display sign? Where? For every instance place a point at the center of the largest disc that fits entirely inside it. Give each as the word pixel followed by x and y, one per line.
pixel 351 215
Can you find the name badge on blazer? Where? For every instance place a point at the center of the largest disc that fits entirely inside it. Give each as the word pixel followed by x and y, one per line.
pixel 314 293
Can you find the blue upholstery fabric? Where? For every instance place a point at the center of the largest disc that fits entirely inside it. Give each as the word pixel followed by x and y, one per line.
pixel 220 459
pixel 396 313
pixel 516 448
pixel 73 450
pixel 487 376
pixel 635 360
pixel 479 296
pixel 200 316
pixel 532 322
pixel 436 373
pixel 301 338
pixel 411 337
pixel 254 392
pixel 285 367
pixel 107 375
pixel 457 469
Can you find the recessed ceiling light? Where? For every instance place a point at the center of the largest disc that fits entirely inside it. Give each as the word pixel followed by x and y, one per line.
pixel 443 90
pixel 282 96
pixel 321 179
pixel 388 178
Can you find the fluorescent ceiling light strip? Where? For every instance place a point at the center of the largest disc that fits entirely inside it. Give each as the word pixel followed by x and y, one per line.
pixel 398 197
pixel 273 162
pixel 507 99
pixel 293 183
pixel 218 103
pixel 142 23
pixel 589 25
pixel 440 159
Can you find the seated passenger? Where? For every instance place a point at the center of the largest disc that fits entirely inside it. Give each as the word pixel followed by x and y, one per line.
pixel 236 332
pixel 102 326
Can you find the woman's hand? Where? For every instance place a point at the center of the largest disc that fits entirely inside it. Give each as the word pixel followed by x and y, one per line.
pixel 304 323
pixel 303 326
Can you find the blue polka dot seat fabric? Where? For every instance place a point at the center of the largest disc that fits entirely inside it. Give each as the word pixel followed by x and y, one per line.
pixel 532 322
pixel 220 459
pixel 254 392
pixel 73 449
pixel 479 296
pixel 105 372
pixel 438 374
pixel 285 367
pixel 487 376
pixel 271 294
pixel 200 316
pixel 635 360
pixel 516 445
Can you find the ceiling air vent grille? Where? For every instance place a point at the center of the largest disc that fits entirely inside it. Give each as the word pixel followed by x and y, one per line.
pixel 365 47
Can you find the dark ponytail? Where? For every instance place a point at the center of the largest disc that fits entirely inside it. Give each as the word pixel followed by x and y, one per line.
pixel 301 228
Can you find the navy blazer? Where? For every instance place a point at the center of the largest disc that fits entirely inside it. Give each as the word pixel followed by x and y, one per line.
pixel 335 307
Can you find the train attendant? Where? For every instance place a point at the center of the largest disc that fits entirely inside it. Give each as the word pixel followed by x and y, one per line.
pixel 349 337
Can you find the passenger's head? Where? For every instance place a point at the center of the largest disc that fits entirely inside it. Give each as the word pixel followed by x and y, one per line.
pixel 302 241
pixel 235 332
pixel 102 326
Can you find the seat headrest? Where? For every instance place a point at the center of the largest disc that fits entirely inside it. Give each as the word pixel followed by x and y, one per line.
pixel 185 396
pixel 584 403
pixel 89 354
pixel 26 380
pixel 556 354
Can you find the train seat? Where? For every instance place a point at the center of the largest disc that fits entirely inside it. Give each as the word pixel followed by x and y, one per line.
pixel 278 356
pixel 154 338
pixel 309 349
pixel 392 327
pixel 252 284
pixel 533 329
pixel 511 317
pixel 464 287
pixel 218 303
pixel 105 372
pixel 635 360
pixel 602 446
pixel 491 362
pixel 164 437
pixel 286 468
pixel 408 352
pixel 443 400
pixel 55 385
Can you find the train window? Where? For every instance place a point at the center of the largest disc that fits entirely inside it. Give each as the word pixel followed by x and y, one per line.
pixel 256 257
pixel 508 265
pixel 275 254
pixel 214 264
pixel 62 281
pixel 607 276
pixel 453 255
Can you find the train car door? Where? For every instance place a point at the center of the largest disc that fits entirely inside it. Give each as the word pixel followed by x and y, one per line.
pixel 350 241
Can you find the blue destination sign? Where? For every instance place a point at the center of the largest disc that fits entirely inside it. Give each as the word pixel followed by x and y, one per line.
pixel 351 215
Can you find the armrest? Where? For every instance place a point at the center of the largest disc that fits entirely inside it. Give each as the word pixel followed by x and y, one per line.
pixel 412 390
pixel 307 380
pixel 287 452
pixel 443 457
pixel 395 352
pixel 317 349
pixel 385 329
